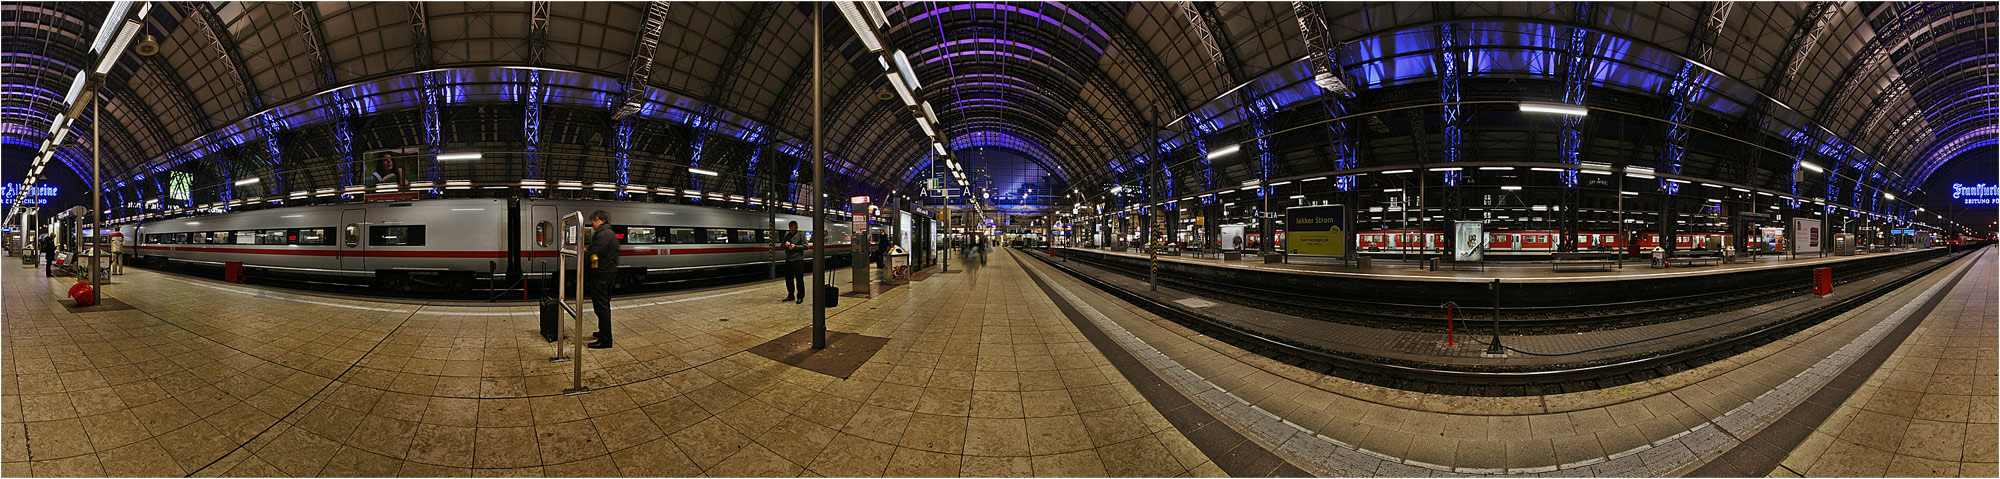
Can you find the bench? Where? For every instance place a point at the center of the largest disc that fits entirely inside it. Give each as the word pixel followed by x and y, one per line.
pixel 1603 260
pixel 1695 257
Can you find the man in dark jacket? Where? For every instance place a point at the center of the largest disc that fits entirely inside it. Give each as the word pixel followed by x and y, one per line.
pixel 48 247
pixel 602 259
pixel 795 252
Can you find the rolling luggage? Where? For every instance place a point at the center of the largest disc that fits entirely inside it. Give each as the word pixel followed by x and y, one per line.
pixel 551 310
pixel 832 295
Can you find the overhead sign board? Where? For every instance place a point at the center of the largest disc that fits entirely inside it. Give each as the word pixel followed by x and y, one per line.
pixel 1977 194
pixel 37 195
pixel 1316 230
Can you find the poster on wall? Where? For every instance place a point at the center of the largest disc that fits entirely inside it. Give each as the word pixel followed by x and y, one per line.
pixel 1316 230
pixel 1805 235
pixel 1232 238
pixel 1468 241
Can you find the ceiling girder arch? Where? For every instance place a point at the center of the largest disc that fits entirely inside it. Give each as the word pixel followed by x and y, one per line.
pixel 225 47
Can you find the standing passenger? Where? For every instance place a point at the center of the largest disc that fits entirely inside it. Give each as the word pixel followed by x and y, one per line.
pixel 117 253
pixel 603 255
pixel 48 247
pixel 795 250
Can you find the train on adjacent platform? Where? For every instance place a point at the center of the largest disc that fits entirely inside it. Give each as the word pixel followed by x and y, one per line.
pixel 451 243
pixel 1524 244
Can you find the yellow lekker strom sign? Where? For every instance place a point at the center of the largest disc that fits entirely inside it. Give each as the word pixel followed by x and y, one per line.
pixel 1315 231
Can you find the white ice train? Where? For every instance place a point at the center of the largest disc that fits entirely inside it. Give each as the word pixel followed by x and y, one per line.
pixel 448 243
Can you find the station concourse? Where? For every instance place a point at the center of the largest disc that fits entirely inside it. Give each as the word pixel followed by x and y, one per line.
pixel 1121 239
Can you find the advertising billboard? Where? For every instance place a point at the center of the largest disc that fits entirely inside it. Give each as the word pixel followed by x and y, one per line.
pixel 1232 238
pixel 1468 241
pixel 382 167
pixel 1805 235
pixel 1316 230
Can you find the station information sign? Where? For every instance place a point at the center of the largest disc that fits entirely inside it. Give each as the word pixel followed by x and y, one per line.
pixel 1977 194
pixel 38 194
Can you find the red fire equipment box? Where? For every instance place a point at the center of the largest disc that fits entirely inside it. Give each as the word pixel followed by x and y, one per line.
pixel 1822 281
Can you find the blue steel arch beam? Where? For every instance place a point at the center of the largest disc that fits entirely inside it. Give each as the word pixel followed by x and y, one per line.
pixel 1034 53
pixel 536 94
pixel 1798 46
pixel 225 47
pixel 307 15
pixel 719 93
pixel 1028 45
pixel 639 73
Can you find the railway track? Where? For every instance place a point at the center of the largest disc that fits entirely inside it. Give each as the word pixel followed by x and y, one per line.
pixel 1409 316
pixel 1435 379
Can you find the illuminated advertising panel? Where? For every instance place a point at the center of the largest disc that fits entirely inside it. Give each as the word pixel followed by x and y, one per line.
pixel 1316 230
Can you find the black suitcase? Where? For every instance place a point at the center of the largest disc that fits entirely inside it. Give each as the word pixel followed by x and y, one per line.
pixel 551 311
pixel 832 295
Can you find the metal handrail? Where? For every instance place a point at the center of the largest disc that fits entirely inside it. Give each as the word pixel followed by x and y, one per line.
pixel 571 248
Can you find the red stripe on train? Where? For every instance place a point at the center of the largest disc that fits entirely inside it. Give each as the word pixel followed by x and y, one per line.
pixel 449 254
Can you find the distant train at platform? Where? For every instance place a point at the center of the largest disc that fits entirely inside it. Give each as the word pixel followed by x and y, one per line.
pixel 451 243
pixel 1523 244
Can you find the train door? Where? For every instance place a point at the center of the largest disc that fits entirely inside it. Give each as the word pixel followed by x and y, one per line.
pixel 538 250
pixel 353 244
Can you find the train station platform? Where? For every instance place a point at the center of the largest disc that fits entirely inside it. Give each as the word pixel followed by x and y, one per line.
pixel 1511 271
pixel 1014 369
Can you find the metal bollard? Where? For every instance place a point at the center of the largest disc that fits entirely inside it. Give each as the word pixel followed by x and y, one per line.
pixel 1495 347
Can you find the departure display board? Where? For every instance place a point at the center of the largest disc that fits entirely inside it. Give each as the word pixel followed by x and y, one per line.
pixel 1316 230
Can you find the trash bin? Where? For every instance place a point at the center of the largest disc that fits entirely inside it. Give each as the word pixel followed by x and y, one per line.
pixel 232 271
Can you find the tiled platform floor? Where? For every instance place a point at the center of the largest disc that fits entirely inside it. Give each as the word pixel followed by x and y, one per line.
pixel 1930 410
pixel 982 377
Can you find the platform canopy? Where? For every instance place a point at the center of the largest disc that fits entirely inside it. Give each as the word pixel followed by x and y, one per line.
pixel 1094 95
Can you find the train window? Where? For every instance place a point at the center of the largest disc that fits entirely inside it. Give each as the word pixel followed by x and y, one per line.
pixel 543 232
pixel 640 235
pixel 412 235
pixel 747 236
pixel 312 236
pixel 354 235
pixel 683 236
pixel 216 237
pixel 246 237
pixel 271 237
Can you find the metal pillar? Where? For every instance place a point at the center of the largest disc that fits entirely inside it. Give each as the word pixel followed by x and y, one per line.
pixel 818 199
pixel 96 195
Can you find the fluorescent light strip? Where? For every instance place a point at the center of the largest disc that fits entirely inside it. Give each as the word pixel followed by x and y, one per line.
pixel 458 156
pixel 1224 151
pixel 1496 168
pixel 1557 108
pixel 247 181
pixel 703 172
